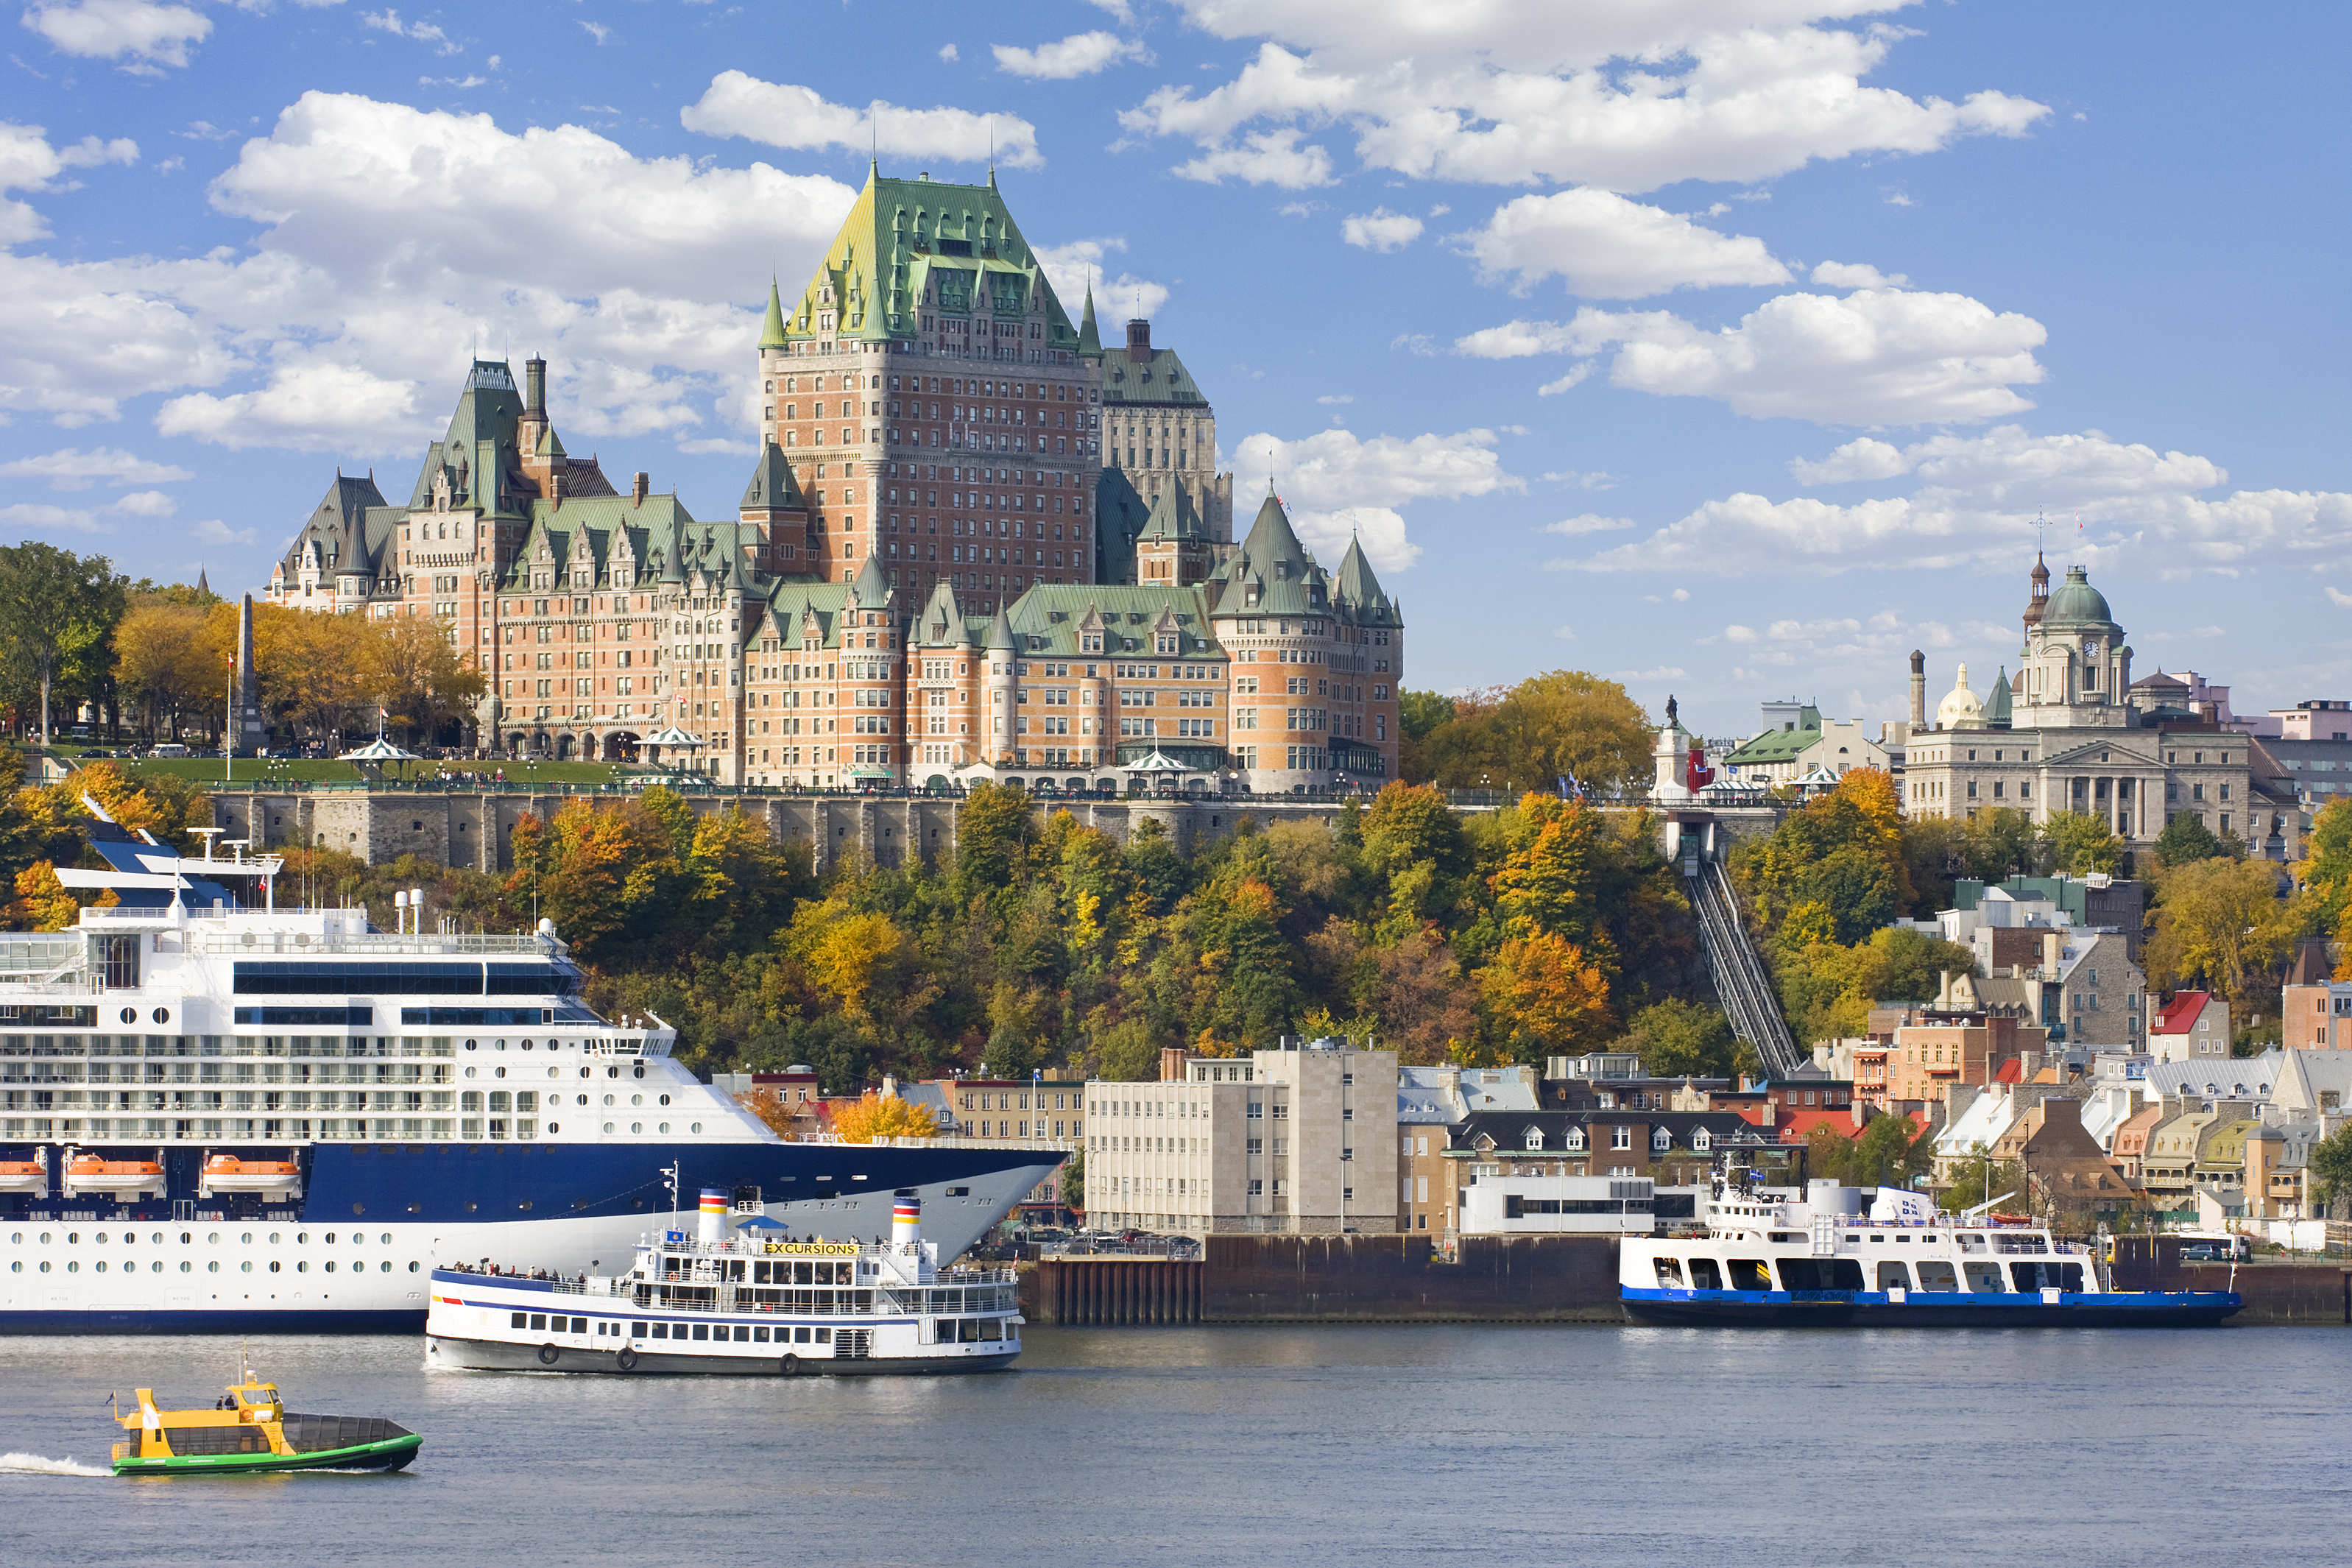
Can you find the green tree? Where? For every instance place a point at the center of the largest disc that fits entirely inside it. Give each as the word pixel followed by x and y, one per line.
pixel 1892 1152
pixel 58 612
pixel 1971 1188
pixel 2185 840
pixel 995 826
pixel 2075 843
pixel 2331 1168
pixel 1997 843
pixel 2219 922
pixel 1675 1039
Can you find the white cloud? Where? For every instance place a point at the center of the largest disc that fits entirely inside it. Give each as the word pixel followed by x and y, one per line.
pixel 1878 638
pixel 1590 522
pixel 1977 501
pixel 28 163
pixel 782 115
pixel 1856 275
pixel 1268 158
pixel 42 517
pixel 147 503
pixel 1380 229
pixel 149 34
pixel 1336 484
pixel 1554 388
pixel 1116 298
pixel 947 51
pixel 1119 8
pixel 1871 358
pixel 596 30
pixel 74 470
pixel 1662 672
pixel 213 531
pixel 1336 398
pixel 1598 480
pixel 1607 248
pixel 2340 599
pixel 1863 457
pixel 388 21
pixel 1681 595
pixel 1515 91
pixel 392 239
pixel 1565 634
pixel 1080 54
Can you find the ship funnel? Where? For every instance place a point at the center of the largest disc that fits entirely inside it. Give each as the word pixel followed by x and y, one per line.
pixel 905 1221
pixel 714 1215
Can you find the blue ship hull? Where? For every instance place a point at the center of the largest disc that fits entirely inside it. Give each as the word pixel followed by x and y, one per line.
pixel 1925 1310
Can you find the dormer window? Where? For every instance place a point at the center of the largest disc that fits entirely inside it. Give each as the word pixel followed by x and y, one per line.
pixel 1702 1140
pixel 1661 1141
pixel 1573 1140
pixel 1535 1138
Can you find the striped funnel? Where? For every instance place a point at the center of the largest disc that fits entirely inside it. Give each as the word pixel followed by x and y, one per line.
pixel 906 1222
pixel 714 1215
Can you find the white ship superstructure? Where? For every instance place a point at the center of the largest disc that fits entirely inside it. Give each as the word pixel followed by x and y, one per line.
pixel 216 1112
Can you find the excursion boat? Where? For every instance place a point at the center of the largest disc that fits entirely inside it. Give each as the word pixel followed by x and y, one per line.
pixel 1775 1257
pixel 736 1299
pixel 218 1113
pixel 252 1430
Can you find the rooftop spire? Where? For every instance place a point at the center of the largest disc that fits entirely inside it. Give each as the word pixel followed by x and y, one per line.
pixel 1089 336
pixel 772 331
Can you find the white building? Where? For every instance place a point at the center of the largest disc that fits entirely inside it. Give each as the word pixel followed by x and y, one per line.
pixel 1302 1138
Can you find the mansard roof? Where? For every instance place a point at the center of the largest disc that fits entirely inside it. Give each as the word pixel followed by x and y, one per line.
pixel 773 487
pixel 943 623
pixel 1049 621
pixel 1173 517
pixel 1161 379
pixel 1272 575
pixel 341 528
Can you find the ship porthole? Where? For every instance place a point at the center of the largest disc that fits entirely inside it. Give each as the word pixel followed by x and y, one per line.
pixel 637 1127
pixel 608 1127
pixel 162 1015
pixel 130 1015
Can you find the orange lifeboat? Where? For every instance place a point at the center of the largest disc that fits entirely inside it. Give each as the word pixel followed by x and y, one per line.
pixel 24 1176
pixel 92 1173
pixel 228 1174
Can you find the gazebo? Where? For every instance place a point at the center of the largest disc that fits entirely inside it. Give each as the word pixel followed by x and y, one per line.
pixel 377 753
pixel 670 739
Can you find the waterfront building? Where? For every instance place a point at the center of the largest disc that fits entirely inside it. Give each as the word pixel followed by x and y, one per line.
pixel 1299 1139
pixel 2069 733
pixel 913 573
pixel 1667 1148
pixel 2315 1007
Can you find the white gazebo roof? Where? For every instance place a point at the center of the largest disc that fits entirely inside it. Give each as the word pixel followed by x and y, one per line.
pixel 379 750
pixel 1159 761
pixel 673 736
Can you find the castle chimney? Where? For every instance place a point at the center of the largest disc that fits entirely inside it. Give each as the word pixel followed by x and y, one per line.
pixel 1139 341
pixel 1919 692
pixel 638 491
pixel 534 383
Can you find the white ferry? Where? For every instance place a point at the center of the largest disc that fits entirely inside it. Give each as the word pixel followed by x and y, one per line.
pixel 744 1303
pixel 1778 1258
pixel 218 1114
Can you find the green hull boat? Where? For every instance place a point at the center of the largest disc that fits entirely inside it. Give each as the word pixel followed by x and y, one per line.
pixel 391 1454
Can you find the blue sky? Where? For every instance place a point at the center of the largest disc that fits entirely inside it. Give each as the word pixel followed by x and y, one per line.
pixel 1730 347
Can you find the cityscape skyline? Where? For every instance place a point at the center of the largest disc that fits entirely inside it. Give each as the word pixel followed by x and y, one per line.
pixel 1831 299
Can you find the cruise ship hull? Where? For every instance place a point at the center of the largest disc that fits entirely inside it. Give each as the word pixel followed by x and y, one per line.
pixel 485 1355
pixel 377 1218
pixel 1921 1309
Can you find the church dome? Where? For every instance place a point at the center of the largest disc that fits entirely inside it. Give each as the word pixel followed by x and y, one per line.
pixel 1960 709
pixel 2077 604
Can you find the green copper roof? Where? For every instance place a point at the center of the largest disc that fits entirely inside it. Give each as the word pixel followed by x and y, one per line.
pixel 1362 591
pixel 1000 633
pixel 772 331
pixel 1161 379
pixel 872 585
pixel 1053 621
pixel 1089 339
pixel 1995 703
pixel 2076 605
pixel 1272 575
pixel 772 485
pixel 1173 516
pixel 908 246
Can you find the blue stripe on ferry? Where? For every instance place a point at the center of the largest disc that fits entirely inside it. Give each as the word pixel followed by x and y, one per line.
pixel 1926 1298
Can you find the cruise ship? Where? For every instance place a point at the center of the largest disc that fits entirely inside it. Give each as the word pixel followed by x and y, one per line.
pixel 219 1114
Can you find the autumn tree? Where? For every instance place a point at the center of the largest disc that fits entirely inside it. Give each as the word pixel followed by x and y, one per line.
pixel 161 664
pixel 1570 724
pixel 879 1115
pixel 2218 922
pixel 1544 997
pixel 420 674
pixel 1675 1039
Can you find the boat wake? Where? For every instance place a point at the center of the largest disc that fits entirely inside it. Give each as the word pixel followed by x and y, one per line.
pixel 34 1465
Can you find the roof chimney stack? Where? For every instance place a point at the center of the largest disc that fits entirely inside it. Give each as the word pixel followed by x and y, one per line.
pixel 638 491
pixel 534 382
pixel 1139 341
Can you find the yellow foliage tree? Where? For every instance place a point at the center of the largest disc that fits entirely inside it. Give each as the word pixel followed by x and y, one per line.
pixel 42 903
pixel 846 952
pixel 1545 997
pixel 883 1116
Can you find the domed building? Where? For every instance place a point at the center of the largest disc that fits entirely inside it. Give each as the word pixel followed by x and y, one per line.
pixel 2068 734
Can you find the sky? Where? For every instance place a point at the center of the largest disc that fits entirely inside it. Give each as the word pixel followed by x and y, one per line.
pixel 1731 349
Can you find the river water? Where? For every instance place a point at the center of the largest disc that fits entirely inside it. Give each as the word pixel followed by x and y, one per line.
pixel 1252 1446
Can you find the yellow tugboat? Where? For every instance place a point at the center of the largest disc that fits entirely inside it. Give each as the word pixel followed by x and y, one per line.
pixel 252 1430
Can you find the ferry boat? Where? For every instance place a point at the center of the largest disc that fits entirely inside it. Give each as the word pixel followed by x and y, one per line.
pixel 220 1114
pixel 251 1430
pixel 736 1299
pixel 1776 1258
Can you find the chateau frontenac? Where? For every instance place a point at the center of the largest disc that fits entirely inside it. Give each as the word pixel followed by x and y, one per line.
pixel 975 545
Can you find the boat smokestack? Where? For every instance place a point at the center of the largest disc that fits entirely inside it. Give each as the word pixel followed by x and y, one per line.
pixel 906 1222
pixel 714 1215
